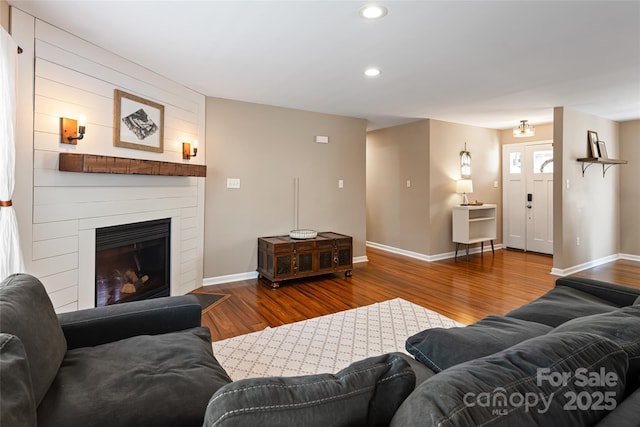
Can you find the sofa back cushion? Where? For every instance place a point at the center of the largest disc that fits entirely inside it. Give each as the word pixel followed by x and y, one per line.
pixel 27 312
pixel 561 304
pixel 17 405
pixel 562 379
pixel 619 295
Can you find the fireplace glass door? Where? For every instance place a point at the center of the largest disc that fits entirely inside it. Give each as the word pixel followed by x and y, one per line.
pixel 132 262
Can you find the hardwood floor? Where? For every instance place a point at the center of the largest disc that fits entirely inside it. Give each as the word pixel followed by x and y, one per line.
pixel 464 290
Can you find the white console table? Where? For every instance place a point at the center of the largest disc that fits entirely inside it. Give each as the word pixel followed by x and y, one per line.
pixel 474 224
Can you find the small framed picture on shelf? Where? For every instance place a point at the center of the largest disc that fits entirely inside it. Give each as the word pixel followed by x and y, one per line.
pixel 602 148
pixel 592 136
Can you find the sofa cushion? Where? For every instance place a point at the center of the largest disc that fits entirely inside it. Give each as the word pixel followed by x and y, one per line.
pixel 17 403
pixel 367 392
pixel 147 380
pixel 440 348
pixel 626 414
pixel 621 326
pixel 560 304
pixel 27 312
pixel 523 386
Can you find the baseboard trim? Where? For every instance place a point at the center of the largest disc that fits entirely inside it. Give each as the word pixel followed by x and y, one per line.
pixel 430 258
pixel 630 257
pixel 218 280
pixel 584 266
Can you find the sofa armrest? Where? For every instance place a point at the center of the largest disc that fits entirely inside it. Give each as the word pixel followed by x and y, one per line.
pixel 100 325
pixel 614 293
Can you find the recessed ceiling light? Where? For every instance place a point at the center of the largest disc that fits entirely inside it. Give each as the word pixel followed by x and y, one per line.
pixel 372 72
pixel 373 11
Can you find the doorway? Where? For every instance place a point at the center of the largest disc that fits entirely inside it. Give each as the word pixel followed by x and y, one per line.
pixel 527 171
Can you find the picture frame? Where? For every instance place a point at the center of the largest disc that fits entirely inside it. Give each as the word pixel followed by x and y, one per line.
pixel 138 123
pixel 592 137
pixel 602 148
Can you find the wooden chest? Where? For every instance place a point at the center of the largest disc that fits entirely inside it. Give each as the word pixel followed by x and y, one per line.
pixel 282 258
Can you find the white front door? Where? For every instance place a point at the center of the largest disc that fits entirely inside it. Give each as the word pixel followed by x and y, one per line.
pixel 539 165
pixel 528 197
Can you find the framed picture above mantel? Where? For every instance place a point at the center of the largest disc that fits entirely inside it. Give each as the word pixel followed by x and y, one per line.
pixel 138 123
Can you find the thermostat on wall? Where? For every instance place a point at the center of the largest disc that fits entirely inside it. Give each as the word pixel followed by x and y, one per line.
pixel 322 139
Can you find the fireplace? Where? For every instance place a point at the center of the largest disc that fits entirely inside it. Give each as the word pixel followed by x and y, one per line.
pixel 132 262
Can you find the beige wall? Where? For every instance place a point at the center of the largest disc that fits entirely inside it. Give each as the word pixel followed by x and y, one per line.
pixel 267 148
pixel 397 215
pixel 544 132
pixel 4 15
pixel 589 208
pixel 446 141
pixel 629 188
pixel 418 219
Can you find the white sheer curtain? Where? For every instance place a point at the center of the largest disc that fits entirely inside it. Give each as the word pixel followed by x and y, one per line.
pixel 10 253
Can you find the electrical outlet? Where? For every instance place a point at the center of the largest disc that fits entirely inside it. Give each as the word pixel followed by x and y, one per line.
pixel 340 183
pixel 577 241
pixel 408 183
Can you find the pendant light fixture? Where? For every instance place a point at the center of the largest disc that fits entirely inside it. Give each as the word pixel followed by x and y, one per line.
pixel 524 130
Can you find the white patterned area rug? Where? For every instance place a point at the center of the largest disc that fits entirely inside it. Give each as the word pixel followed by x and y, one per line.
pixel 328 343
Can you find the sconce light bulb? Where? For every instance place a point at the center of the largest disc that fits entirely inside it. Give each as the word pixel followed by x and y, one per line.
pixel 195 144
pixel 82 121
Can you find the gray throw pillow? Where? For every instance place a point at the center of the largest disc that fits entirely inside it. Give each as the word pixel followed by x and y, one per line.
pixel 17 404
pixel 26 312
pixel 440 348
pixel 366 393
pixel 564 379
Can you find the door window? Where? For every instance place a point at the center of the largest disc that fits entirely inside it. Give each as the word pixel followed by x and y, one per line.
pixel 515 163
pixel 543 161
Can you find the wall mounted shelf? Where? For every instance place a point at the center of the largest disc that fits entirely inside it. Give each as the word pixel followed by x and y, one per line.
pixel 90 163
pixel 606 163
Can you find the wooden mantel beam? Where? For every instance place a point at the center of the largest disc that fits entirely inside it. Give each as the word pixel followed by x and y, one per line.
pixel 90 163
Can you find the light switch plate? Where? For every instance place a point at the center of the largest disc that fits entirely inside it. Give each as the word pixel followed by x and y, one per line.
pixel 233 182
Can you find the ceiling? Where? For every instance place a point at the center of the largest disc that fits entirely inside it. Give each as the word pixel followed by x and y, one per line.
pixel 482 63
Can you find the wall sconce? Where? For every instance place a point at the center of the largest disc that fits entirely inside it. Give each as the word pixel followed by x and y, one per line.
pixel 186 150
pixel 72 130
pixel 465 163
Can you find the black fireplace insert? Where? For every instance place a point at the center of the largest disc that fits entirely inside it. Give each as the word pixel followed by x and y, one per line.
pixel 133 262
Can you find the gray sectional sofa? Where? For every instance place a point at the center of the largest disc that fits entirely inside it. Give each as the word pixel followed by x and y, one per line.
pixel 569 358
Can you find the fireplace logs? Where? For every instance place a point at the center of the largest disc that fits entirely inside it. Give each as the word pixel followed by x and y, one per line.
pixel 132 282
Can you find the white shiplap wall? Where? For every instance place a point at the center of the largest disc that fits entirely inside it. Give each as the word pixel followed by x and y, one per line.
pixel 72 76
